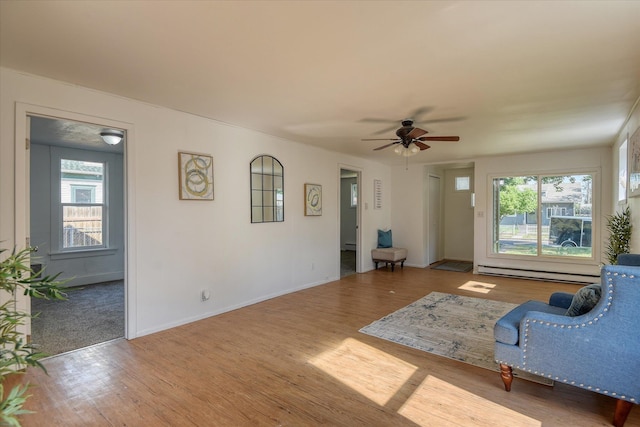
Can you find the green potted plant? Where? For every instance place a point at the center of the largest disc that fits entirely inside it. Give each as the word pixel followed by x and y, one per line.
pixel 16 275
pixel 619 227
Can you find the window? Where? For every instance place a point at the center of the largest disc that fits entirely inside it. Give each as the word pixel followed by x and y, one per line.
pixel 556 211
pixel 463 183
pixel 565 228
pixel 267 190
pixel 354 195
pixel 82 195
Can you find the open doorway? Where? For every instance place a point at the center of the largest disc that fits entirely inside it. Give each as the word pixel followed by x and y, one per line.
pixel 349 221
pixel 77 221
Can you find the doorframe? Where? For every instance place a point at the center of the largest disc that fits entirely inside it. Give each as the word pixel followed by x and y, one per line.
pixel 430 225
pixel 22 195
pixel 358 172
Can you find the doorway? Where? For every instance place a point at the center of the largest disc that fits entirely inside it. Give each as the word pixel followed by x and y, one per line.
pixel 76 218
pixel 349 221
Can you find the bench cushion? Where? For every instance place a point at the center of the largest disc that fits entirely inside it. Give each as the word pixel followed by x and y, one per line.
pixel 389 254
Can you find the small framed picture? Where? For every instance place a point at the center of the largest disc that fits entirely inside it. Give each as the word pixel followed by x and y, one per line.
pixel 312 200
pixel 196 176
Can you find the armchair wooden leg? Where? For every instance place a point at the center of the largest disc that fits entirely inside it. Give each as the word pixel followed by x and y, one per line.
pixel 622 411
pixel 506 372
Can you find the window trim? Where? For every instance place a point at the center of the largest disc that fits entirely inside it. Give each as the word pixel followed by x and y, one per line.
pixel 57 206
pixel 596 244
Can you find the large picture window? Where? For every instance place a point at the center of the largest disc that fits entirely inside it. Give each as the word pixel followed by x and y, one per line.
pixel 82 196
pixel 543 215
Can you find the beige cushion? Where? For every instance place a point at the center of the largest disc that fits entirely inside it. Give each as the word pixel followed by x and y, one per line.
pixel 389 254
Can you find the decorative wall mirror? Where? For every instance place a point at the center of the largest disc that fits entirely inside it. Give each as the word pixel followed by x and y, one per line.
pixel 267 189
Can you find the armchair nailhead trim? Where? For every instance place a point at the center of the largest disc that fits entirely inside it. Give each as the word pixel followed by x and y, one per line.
pixel 583 325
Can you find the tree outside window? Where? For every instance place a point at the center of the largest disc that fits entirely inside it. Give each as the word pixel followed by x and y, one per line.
pixel 564 229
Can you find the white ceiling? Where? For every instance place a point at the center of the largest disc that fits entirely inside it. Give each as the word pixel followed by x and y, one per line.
pixel 525 76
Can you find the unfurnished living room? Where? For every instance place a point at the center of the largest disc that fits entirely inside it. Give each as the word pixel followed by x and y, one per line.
pixel 301 213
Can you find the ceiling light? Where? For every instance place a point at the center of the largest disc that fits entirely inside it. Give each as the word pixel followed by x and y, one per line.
pixel 112 137
pixel 401 150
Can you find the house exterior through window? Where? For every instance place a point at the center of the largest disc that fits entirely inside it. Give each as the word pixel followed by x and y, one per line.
pixel 82 204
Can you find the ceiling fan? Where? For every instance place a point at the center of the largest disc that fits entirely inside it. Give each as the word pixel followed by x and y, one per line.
pixel 411 139
pixel 416 115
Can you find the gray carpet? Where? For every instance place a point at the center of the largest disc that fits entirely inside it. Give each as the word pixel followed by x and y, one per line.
pixel 452 326
pixel 92 314
pixel 347 263
pixel 460 266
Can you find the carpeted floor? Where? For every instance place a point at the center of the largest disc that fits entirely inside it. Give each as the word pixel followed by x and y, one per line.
pixel 453 326
pixel 92 314
pixel 347 263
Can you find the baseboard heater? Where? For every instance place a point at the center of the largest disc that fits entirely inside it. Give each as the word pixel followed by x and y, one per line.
pixel 538 274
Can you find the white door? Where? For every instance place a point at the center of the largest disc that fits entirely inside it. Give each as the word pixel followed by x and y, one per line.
pixel 434 220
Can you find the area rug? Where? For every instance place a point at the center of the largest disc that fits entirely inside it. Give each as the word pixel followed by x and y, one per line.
pixel 452 326
pixel 461 266
pixel 91 314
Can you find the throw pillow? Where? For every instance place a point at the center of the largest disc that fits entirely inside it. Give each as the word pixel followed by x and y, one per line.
pixel 384 239
pixel 584 300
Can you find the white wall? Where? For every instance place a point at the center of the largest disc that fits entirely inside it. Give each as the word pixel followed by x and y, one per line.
pixel 408 224
pixel 627 132
pixel 596 160
pixel 177 248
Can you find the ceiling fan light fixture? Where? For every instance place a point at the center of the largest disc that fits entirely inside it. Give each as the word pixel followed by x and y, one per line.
pixel 401 150
pixel 112 137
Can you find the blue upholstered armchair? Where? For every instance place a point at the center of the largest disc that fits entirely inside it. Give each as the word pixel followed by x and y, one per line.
pixel 597 351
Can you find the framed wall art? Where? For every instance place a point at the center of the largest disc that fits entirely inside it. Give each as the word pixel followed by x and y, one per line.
pixel 312 200
pixel 377 194
pixel 196 176
pixel 634 164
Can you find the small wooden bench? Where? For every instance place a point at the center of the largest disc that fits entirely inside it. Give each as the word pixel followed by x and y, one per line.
pixel 389 256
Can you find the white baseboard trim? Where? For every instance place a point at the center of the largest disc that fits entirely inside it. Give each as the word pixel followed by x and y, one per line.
pixel 94 278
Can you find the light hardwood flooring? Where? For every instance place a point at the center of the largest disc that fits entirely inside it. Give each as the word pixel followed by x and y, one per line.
pixel 299 360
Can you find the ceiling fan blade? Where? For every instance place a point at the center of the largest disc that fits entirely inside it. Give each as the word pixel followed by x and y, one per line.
pixel 416 132
pixel 421 145
pixel 418 112
pixel 444 120
pixel 375 120
pixel 385 130
pixel 439 138
pixel 385 146
pixel 380 139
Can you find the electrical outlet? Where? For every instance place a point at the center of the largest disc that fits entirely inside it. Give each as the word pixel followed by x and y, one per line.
pixel 205 295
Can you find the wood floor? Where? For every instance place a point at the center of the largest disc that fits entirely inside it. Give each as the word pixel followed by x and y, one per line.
pixel 299 360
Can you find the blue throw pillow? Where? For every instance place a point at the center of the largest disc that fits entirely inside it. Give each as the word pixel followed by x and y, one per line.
pixel 384 239
pixel 584 300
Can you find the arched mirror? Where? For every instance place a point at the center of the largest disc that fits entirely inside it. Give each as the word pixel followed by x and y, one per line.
pixel 267 189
